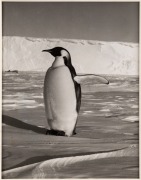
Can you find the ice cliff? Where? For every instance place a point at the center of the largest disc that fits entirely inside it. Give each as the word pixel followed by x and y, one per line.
pixel 88 56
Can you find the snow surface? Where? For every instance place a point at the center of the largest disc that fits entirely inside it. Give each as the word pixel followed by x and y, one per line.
pixel 43 169
pixel 88 56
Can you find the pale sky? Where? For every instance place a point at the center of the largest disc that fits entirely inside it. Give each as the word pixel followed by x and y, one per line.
pixel 109 21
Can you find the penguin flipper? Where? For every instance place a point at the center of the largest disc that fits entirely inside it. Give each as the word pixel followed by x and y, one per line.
pixel 90 78
pixel 74 132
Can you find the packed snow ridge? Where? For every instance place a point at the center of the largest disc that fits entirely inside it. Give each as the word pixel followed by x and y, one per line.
pixel 88 56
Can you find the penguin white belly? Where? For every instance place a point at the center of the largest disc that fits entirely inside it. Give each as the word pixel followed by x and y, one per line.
pixel 60 100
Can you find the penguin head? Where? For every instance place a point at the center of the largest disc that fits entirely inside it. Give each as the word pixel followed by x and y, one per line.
pixel 58 51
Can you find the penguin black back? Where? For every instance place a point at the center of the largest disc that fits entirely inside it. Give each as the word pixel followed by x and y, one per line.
pixel 77 86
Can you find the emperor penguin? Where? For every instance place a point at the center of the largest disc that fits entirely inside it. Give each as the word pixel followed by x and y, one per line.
pixel 62 94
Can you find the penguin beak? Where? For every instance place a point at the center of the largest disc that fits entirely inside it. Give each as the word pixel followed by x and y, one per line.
pixel 47 50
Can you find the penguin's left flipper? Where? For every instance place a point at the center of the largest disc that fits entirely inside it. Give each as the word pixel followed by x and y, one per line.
pixel 55 132
pixel 74 132
pixel 90 78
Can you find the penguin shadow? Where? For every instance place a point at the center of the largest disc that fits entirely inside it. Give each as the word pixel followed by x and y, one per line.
pixel 22 125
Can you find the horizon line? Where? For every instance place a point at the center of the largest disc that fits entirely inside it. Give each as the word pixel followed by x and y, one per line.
pixel 71 39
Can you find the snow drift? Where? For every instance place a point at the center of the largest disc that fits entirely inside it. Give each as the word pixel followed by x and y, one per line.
pixel 25 54
pixel 52 167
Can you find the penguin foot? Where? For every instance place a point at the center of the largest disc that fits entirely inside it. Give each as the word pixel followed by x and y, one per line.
pixel 55 132
pixel 60 133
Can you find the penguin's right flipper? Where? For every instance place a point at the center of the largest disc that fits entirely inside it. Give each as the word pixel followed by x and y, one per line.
pixel 90 78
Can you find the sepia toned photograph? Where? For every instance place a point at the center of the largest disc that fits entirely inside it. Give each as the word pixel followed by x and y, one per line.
pixel 70 90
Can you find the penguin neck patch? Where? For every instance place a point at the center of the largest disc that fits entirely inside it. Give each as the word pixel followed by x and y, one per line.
pixel 64 54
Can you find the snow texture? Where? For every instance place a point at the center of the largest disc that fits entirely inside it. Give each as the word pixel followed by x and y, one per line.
pixel 88 56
